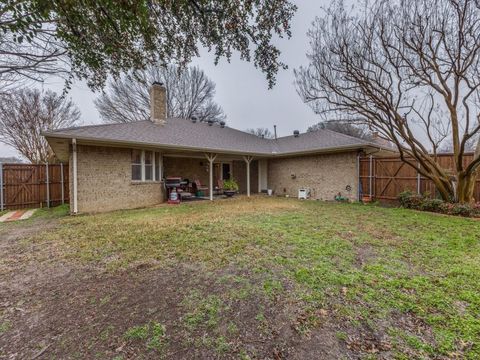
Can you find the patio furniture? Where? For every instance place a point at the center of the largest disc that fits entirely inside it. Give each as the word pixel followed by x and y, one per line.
pixel 219 187
pixel 199 188
pixel 181 187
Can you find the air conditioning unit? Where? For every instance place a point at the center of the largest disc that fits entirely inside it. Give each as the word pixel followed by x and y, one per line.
pixel 303 194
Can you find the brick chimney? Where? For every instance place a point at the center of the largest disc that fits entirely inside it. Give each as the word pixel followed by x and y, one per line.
pixel 158 103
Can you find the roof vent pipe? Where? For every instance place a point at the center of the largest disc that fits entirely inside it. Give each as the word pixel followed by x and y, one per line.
pixel 210 122
pixel 275 131
pixel 296 133
pixel 194 119
pixel 222 124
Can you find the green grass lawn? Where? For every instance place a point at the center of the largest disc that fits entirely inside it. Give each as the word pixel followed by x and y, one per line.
pixel 389 282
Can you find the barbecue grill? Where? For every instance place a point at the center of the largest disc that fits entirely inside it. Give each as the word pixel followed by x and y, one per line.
pixel 181 186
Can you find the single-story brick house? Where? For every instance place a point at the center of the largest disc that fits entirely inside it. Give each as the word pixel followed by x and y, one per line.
pixel 120 166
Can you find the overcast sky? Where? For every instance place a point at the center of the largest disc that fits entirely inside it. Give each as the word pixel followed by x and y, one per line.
pixel 242 90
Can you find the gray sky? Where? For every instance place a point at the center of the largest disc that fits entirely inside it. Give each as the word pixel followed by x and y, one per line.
pixel 241 90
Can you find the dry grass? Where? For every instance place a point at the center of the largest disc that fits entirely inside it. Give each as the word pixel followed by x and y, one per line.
pixel 396 282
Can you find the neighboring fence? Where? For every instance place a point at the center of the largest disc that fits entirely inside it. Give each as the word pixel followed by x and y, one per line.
pixel 31 186
pixel 383 178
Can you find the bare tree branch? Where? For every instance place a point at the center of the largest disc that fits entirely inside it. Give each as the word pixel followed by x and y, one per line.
pixel 403 68
pixel 25 113
pixel 189 93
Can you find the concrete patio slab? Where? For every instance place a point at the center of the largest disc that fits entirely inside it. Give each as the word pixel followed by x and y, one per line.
pixel 17 215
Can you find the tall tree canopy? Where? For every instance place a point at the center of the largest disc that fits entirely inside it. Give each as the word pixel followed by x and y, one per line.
pixel 93 39
pixel 408 69
pixel 343 127
pixel 24 113
pixel 189 93
pixel 261 132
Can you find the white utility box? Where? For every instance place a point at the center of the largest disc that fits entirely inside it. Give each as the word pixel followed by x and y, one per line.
pixel 303 194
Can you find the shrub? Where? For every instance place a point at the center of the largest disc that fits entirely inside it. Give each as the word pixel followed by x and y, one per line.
pixel 462 210
pixel 410 200
pixel 434 205
pixel 230 184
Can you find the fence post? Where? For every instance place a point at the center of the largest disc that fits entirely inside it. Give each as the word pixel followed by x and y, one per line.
pixel 62 181
pixel 370 176
pixel 1 188
pixel 359 188
pixel 418 179
pixel 48 185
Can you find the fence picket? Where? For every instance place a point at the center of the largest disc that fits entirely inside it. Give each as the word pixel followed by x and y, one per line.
pixel 31 185
pixel 391 176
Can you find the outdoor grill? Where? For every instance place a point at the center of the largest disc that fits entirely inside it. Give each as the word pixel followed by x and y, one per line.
pixel 181 187
pixel 173 182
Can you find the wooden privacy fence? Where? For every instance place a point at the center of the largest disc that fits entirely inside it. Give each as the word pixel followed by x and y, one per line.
pixel 384 178
pixel 31 186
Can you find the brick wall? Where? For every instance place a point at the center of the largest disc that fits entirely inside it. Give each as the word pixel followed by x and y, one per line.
pixel 104 181
pixel 240 175
pixel 197 169
pixel 187 168
pixel 325 175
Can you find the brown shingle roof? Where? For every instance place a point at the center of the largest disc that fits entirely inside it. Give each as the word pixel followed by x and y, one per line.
pixel 184 134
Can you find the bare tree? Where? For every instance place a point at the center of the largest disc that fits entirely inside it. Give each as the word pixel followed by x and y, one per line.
pixel 343 127
pixel 24 113
pixel 470 145
pixel 189 93
pixel 408 69
pixel 261 132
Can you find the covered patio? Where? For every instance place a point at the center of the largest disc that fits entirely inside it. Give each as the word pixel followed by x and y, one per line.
pixel 208 171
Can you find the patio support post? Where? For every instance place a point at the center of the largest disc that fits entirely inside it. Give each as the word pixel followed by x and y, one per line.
pixel 248 160
pixel 211 158
pixel 74 160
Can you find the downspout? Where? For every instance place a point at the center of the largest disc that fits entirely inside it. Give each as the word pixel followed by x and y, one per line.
pixel 75 184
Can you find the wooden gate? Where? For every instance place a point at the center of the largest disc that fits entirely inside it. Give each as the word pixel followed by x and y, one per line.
pixel 384 178
pixel 31 186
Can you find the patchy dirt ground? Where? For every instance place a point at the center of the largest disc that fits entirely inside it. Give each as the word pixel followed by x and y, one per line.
pixel 56 309
pixel 60 310
pixel 296 282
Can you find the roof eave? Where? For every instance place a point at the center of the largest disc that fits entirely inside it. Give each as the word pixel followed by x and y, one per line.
pixel 105 142
pixel 152 145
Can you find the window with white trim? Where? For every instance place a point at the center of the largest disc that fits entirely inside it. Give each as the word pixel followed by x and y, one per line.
pixel 137 165
pixel 158 166
pixel 146 165
pixel 148 156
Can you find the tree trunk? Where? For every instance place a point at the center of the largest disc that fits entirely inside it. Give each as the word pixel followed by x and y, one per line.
pixel 466 182
pixel 465 188
pixel 444 187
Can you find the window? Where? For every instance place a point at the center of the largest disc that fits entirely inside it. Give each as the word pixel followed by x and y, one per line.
pixel 158 164
pixel 146 165
pixel 136 165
